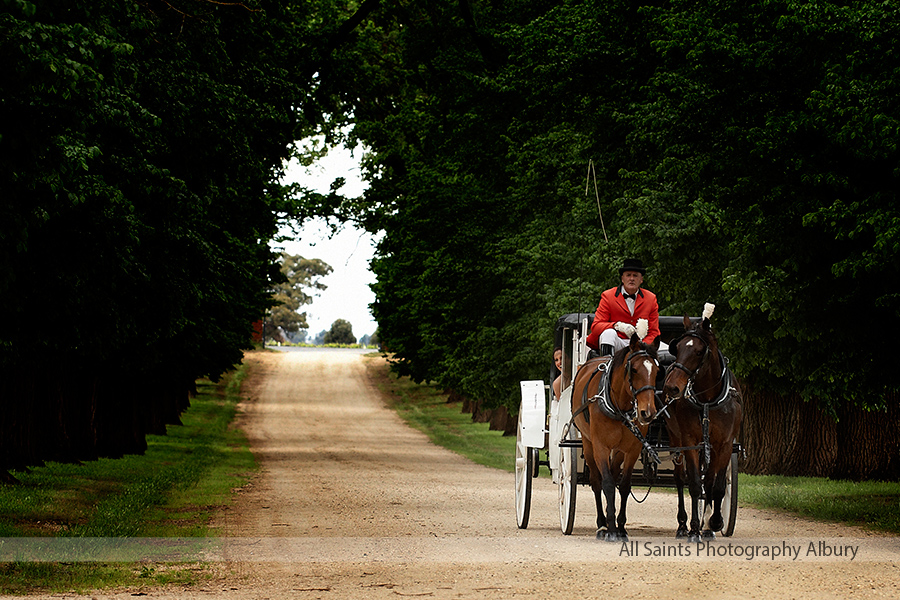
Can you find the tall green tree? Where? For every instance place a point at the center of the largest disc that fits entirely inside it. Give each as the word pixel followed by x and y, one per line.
pixel 747 151
pixel 341 332
pixel 772 121
pixel 300 274
pixel 478 182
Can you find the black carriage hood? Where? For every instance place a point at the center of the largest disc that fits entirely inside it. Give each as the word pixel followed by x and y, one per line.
pixel 570 321
pixel 670 326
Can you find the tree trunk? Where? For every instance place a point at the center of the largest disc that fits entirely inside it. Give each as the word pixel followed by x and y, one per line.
pixel 869 442
pixel 71 416
pixel 787 436
pixel 481 414
pixel 499 417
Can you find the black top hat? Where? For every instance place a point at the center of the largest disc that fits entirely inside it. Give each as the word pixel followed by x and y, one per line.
pixel 632 264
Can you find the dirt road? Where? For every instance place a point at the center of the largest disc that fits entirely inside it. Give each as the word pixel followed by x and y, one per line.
pixel 350 503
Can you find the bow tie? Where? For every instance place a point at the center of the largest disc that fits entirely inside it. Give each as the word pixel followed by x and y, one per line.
pixel 632 296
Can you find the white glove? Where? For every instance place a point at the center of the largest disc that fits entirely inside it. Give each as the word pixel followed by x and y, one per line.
pixel 626 328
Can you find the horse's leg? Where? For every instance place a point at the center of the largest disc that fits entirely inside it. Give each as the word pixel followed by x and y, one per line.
pixel 615 464
pixel 615 470
pixel 710 507
pixel 608 484
pixel 597 488
pixel 682 530
pixel 716 490
pixel 596 483
pixel 624 491
pixel 695 487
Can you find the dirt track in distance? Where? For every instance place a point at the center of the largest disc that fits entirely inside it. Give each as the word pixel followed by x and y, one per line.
pixel 351 503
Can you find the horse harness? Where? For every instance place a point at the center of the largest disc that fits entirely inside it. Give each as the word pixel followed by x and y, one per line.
pixel 605 404
pixel 728 391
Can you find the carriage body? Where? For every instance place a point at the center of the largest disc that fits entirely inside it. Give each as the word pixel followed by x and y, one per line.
pixel 553 442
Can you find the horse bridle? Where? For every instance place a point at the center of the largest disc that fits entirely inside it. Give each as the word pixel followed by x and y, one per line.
pixel 602 396
pixel 629 372
pixel 689 394
pixel 677 365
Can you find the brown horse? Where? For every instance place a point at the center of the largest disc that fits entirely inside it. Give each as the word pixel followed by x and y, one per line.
pixel 611 400
pixel 707 397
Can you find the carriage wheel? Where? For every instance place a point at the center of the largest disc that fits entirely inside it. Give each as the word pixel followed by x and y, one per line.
pixel 730 501
pixel 525 468
pixel 568 486
pixel 536 461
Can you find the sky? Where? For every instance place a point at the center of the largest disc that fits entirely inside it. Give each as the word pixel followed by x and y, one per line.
pixel 348 252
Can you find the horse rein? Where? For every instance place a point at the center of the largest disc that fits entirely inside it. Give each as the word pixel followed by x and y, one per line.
pixel 629 423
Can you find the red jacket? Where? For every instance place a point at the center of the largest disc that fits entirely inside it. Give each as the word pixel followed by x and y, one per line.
pixel 613 308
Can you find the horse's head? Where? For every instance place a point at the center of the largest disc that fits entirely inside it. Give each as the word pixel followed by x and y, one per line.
pixel 639 365
pixel 691 351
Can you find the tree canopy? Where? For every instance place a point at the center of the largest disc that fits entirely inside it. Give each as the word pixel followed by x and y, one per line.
pixel 341 332
pixel 300 274
pixel 141 160
pixel 746 151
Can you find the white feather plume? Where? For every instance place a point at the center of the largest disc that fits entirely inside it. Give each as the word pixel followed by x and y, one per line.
pixel 643 326
pixel 708 310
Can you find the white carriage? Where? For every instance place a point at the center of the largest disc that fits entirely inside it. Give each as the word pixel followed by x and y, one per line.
pixel 545 426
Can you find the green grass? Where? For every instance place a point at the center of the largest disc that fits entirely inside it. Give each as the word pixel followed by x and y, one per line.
pixel 425 408
pixel 170 491
pixel 874 505
pixel 871 504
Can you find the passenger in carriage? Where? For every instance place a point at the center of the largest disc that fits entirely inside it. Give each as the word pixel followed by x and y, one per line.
pixel 619 310
pixel 557 360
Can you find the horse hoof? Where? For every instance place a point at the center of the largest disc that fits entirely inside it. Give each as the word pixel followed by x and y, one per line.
pixel 612 537
pixel 709 535
pixel 681 534
pixel 694 538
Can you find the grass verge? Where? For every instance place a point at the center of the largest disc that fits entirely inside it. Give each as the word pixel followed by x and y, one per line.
pixel 425 407
pixel 170 491
pixel 873 505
